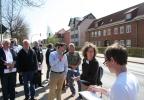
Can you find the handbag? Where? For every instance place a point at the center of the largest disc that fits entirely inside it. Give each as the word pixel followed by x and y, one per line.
pixel 36 78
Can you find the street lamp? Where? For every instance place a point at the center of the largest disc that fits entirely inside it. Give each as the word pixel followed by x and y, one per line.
pixel 34 35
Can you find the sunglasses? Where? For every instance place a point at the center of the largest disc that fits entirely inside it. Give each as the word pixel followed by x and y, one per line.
pixel 105 62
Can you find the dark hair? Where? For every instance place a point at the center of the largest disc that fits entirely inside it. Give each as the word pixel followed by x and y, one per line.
pixel 57 44
pixel 118 52
pixel 50 45
pixel 86 47
pixel 61 44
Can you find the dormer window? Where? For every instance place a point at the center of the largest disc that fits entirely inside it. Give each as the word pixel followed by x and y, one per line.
pixel 102 23
pixel 128 16
pixel 111 20
pixel 96 25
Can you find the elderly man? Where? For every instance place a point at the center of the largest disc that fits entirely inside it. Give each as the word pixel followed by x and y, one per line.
pixel 74 61
pixel 27 64
pixel 39 54
pixel 7 70
pixel 58 63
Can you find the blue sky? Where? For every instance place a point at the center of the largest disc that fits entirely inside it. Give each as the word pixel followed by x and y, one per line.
pixel 57 13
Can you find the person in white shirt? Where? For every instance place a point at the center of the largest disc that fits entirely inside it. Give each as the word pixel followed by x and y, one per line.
pixel 59 67
pixel 126 85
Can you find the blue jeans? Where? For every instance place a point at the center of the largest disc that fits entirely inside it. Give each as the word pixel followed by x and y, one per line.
pixel 8 82
pixel 28 76
pixel 70 80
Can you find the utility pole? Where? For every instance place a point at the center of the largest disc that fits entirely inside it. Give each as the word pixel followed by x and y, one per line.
pixel 1 19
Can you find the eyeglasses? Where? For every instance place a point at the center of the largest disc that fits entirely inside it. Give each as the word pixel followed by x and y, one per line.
pixel 105 62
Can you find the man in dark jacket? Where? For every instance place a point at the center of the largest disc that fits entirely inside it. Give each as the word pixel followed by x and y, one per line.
pixel 7 70
pixel 39 54
pixel 27 64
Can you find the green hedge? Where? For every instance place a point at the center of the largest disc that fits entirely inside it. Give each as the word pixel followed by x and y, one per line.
pixel 132 52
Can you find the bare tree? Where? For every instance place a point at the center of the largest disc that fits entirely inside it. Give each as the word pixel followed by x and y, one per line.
pixel 21 29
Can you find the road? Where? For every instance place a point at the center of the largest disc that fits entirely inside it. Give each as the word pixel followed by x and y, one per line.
pixel 109 78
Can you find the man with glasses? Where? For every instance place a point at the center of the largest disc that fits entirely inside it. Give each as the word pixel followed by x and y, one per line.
pixel 126 85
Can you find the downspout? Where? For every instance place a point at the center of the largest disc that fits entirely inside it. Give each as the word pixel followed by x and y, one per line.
pixel 136 34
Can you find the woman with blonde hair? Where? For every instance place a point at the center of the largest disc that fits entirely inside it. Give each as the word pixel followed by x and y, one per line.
pixel 89 66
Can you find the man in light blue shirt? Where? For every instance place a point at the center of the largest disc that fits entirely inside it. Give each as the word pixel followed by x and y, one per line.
pixel 59 67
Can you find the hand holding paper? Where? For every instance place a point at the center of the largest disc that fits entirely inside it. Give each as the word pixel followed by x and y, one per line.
pixel 76 78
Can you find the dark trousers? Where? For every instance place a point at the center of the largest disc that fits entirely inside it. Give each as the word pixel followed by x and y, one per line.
pixel 48 71
pixel 20 79
pixel 40 81
pixel 8 85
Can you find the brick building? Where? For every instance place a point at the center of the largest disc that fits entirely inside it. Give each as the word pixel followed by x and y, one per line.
pixel 63 36
pixel 125 27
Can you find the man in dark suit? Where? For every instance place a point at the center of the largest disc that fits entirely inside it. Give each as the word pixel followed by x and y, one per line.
pixel 7 70
pixel 27 65
pixel 39 54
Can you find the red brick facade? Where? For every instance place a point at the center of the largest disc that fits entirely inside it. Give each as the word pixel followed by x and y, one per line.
pixel 134 38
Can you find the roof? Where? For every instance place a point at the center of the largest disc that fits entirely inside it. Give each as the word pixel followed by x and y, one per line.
pixel 61 31
pixel 79 19
pixel 119 16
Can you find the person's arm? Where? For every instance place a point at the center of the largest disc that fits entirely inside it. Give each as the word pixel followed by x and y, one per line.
pixel 18 62
pixel 94 72
pixel 35 60
pixel 52 60
pixel 65 65
pixel 98 89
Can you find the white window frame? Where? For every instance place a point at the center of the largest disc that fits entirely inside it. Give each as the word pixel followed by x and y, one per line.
pixel 96 34
pixel 128 43
pixel 99 33
pixel 121 29
pixel 96 25
pixel 92 34
pixel 96 43
pixel 116 30
pixel 128 16
pixel 116 41
pixel 128 28
pixel 104 32
pixel 99 43
pixel 122 42
pixel 109 32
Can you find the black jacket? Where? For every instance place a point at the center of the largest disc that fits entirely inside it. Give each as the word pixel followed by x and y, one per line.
pixel 27 61
pixel 3 59
pixel 39 54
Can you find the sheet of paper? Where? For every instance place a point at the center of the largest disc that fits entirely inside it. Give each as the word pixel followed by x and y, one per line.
pixel 40 67
pixel 74 70
pixel 84 81
pixel 90 95
pixel 7 70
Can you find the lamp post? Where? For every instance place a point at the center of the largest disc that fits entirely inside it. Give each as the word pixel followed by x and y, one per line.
pixel 34 35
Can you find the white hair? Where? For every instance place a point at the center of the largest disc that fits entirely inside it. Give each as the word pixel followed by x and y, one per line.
pixel 26 40
pixel 35 42
pixel 15 40
pixel 6 40
pixel 71 44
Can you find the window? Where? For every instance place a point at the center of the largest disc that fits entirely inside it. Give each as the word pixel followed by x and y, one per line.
pixel 121 29
pixel 111 20
pixel 115 30
pixel 128 28
pixel 122 42
pixel 95 34
pixel 115 41
pixel 92 34
pixel 128 43
pixel 99 43
pixel 128 16
pixel 72 29
pixel 109 31
pixel 72 36
pixel 76 28
pixel 76 43
pixel 96 43
pixel 99 33
pixel 76 35
pixel 96 25
pixel 104 32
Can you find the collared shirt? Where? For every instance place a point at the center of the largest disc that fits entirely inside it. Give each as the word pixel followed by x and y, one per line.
pixel 9 58
pixel 56 64
pixel 17 48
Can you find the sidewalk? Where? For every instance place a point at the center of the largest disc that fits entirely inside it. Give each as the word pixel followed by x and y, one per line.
pixel 130 59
